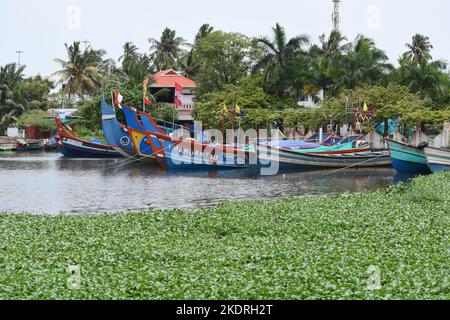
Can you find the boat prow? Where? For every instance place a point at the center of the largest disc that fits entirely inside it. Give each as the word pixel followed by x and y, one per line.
pixel 407 158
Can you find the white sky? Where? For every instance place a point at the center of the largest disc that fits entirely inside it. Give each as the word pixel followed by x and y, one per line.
pixel 40 28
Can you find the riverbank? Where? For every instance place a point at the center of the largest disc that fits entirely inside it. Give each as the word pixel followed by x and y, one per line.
pixel 298 248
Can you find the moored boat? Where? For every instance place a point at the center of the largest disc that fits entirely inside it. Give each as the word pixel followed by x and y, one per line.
pixel 73 147
pixel 28 145
pixel 292 159
pixel 406 158
pixel 151 141
pixel 115 133
pixel 437 159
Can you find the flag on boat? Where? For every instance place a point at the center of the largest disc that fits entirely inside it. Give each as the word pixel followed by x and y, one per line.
pixel 225 109
pixel 237 109
pixel 366 108
pixel 117 97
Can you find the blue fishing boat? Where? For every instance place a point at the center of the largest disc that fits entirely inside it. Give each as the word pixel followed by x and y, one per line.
pixel 406 158
pixel 437 159
pixel 152 141
pixel 71 146
pixel 115 133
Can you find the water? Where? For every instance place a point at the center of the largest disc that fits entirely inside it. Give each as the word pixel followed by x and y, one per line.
pixel 49 183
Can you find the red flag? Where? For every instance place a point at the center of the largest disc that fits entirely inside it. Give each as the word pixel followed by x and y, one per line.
pixel 147 101
pixel 117 97
pixel 178 102
pixel 178 88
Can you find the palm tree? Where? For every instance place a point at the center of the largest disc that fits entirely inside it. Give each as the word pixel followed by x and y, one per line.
pixel 364 64
pixel 80 74
pixel 188 63
pixel 419 49
pixel 279 53
pixel 11 104
pixel 166 51
pixel 326 62
pixel 334 46
pixel 130 55
pixel 203 31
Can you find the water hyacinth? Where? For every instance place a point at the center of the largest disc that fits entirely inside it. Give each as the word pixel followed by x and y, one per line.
pixel 387 244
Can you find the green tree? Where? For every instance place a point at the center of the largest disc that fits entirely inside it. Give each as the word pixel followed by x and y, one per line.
pixel 419 50
pixel 166 51
pixel 80 74
pixel 364 64
pixel 188 62
pixel 279 53
pixel 11 104
pixel 224 58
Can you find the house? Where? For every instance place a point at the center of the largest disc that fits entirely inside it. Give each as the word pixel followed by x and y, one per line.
pixel 167 79
pixel 310 101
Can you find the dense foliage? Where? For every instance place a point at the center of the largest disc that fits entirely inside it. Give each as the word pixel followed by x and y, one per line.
pixel 283 69
pixel 19 95
pixel 296 248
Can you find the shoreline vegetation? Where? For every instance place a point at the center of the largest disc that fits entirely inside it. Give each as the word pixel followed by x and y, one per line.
pixel 329 247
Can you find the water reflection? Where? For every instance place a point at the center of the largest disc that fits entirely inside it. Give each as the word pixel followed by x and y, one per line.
pixel 46 182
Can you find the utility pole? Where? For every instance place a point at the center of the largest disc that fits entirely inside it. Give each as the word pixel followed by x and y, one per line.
pixel 336 15
pixel 19 53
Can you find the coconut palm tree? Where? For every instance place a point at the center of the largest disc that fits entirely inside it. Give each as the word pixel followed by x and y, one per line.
pixel 364 64
pixel 334 46
pixel 326 62
pixel 11 104
pixel 166 51
pixel 80 74
pixel 419 49
pixel 279 53
pixel 188 63
pixel 130 55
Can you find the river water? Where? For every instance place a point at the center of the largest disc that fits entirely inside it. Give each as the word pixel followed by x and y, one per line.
pixel 48 183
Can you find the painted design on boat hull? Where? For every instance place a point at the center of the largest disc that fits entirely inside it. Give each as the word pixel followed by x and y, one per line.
pixel 115 135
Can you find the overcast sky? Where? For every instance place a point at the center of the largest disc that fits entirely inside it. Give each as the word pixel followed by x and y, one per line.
pixel 40 28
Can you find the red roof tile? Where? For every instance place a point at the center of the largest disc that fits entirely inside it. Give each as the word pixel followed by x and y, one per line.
pixel 168 78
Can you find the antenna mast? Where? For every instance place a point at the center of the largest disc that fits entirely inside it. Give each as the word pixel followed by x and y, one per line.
pixel 336 16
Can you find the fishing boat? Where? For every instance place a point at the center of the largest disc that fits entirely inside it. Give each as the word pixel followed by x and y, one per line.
pixel 438 159
pixel 340 148
pixel 152 141
pixel 292 159
pixel 406 158
pixel 28 145
pixel 115 133
pixel 71 146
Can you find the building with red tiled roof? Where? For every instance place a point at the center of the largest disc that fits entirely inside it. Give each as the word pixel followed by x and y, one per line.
pixel 168 79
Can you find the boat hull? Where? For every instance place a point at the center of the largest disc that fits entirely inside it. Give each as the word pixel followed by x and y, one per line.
pixel 75 148
pixel 289 159
pixel 116 136
pixel 406 158
pixel 437 159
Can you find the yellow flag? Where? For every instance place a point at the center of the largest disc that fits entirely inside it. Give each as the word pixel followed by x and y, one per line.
pixel 238 109
pixel 225 109
pixel 365 109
